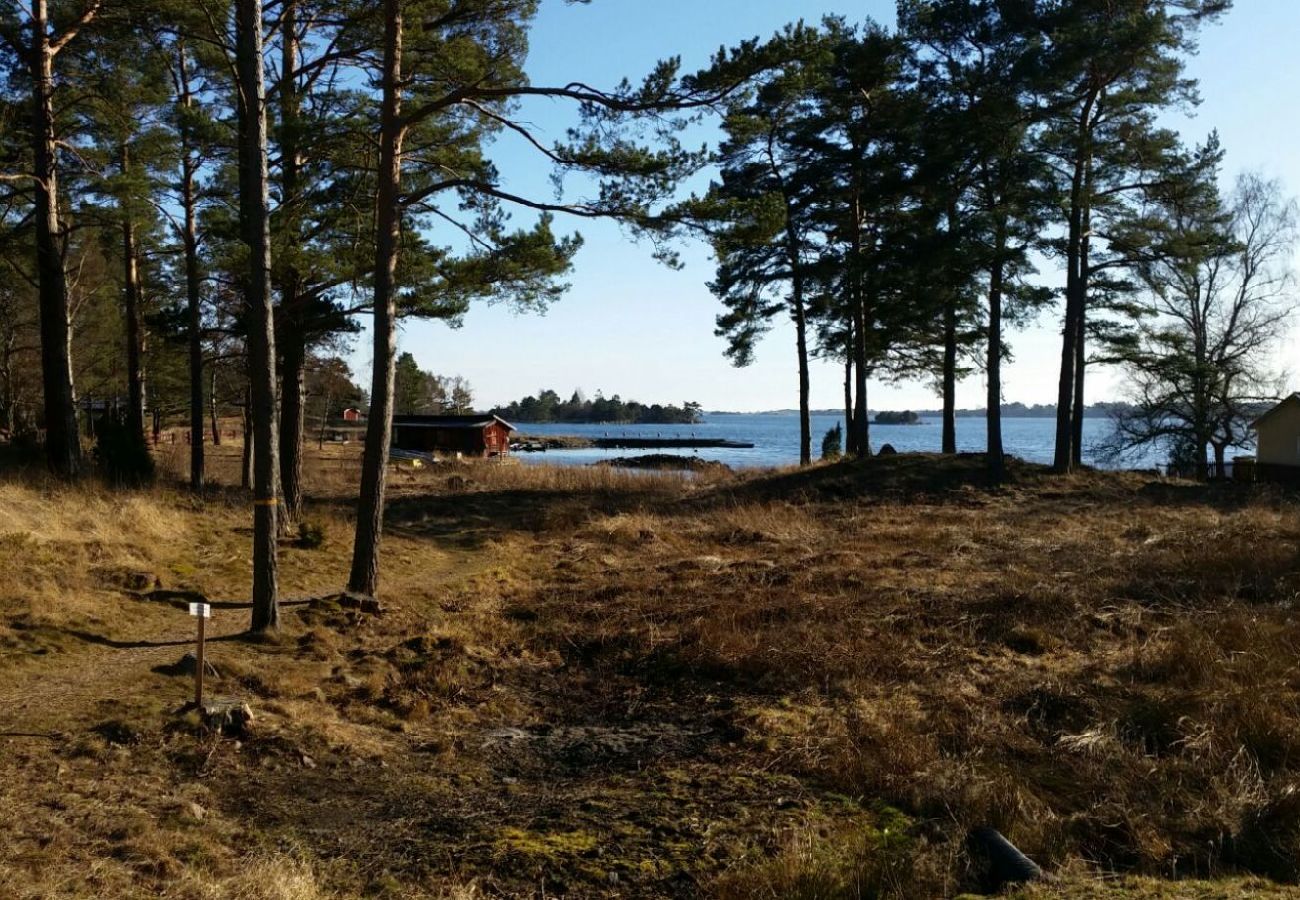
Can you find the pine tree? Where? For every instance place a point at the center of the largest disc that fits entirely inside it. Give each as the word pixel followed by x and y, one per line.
pixel 37 42
pixel 1108 71
pixel 448 83
pixel 976 64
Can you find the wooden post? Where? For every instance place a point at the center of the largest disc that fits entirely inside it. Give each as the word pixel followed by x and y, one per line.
pixel 201 611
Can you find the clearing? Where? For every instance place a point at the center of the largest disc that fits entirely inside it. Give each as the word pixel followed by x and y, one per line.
pixel 599 683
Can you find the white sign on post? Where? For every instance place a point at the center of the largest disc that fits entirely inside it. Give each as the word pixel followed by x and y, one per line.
pixel 203 610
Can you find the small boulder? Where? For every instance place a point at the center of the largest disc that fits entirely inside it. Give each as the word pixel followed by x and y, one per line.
pixel 187 665
pixel 361 602
pixel 888 450
pixel 228 717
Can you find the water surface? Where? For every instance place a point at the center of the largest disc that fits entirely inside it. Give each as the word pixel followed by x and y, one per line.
pixel 775 437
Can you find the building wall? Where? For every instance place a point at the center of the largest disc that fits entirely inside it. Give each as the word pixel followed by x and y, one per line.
pixel 1279 437
pixel 469 441
pixel 497 438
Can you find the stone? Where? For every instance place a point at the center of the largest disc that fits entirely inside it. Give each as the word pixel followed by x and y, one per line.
pixel 186 666
pixel 194 811
pixel 140 581
pixel 888 450
pixel 361 602
pixel 228 717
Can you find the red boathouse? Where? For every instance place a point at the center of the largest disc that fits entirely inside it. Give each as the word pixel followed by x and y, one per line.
pixel 468 435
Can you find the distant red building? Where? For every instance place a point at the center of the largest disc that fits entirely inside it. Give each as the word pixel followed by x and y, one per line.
pixel 352 414
pixel 467 435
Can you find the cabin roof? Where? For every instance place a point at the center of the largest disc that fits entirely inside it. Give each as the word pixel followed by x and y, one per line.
pixel 1294 398
pixel 467 422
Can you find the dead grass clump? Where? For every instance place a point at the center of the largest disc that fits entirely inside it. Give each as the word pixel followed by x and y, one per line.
pixel 627 529
pixel 1250 558
pixel 1269 840
pixel 1186 657
pixel 860 861
pixel 274 876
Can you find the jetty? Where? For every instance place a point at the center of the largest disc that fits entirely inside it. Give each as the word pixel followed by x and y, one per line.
pixel 675 443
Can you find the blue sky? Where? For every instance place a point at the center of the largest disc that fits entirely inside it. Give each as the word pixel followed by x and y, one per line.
pixel 633 327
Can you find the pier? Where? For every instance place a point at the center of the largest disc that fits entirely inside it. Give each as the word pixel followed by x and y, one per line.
pixel 683 443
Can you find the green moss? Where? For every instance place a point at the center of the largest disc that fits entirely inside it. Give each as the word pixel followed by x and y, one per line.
pixel 546 844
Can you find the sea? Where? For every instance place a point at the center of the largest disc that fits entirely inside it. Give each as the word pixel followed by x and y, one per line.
pixel 775 437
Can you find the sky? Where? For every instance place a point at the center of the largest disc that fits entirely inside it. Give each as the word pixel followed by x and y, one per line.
pixel 633 327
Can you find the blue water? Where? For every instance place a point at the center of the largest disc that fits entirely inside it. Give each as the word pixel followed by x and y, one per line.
pixel 776 439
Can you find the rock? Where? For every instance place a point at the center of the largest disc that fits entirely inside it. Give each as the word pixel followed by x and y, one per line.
pixel 194 811
pixel 140 581
pixel 228 717
pixel 362 603
pixel 349 600
pixel 308 762
pixel 118 733
pixel 129 580
pixel 190 662
pixel 887 450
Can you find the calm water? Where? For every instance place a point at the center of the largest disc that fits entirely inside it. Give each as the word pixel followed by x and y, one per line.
pixel 776 438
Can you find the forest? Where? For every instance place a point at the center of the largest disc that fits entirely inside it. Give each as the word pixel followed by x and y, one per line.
pixel 905 196
pixel 205 205
pixel 548 406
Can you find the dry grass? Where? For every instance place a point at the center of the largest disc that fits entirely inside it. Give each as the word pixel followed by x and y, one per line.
pixel 599 682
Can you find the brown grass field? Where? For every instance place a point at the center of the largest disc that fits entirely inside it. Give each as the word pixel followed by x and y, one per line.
pixel 597 683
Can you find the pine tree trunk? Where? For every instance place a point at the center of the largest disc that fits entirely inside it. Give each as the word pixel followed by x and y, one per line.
pixel 364 577
pixel 1069 334
pixel 1075 290
pixel 801 339
pixel 62 441
pixel 1080 367
pixel 996 457
pixel 255 225
pixel 950 351
pixel 1081 333
pixel 859 428
pixel 850 438
pixel 950 377
pixel 861 421
pixel 292 422
pixel 246 459
pixel 212 401
pixel 193 286
pixel 131 302
pixel 292 339
pixel 805 407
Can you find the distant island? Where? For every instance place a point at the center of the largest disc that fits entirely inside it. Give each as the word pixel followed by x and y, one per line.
pixel 897 418
pixel 1009 411
pixel 548 407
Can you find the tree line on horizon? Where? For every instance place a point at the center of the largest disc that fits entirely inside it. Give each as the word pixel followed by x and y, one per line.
pixel 548 406
pixel 206 197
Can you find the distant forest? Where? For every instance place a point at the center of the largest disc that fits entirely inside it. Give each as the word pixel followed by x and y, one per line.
pixel 1009 411
pixel 548 407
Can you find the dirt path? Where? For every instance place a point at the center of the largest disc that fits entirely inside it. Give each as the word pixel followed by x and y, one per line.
pixel 59 690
